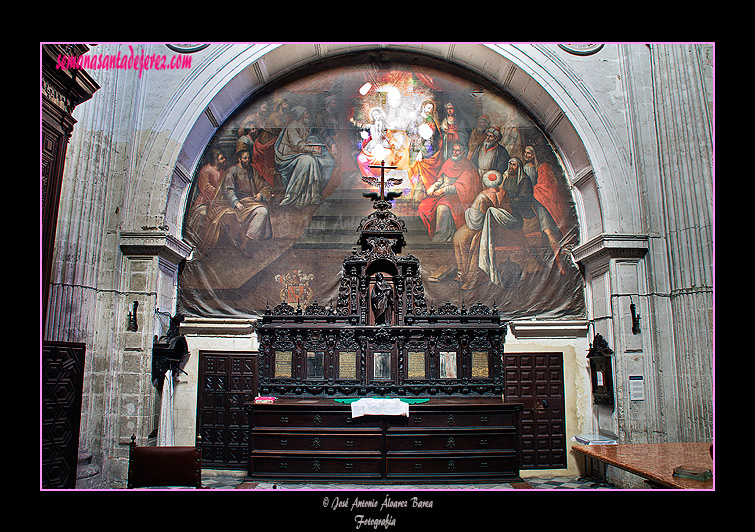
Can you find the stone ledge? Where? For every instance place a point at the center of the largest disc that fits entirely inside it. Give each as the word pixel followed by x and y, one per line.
pixel 154 243
pixel 520 329
pixel 612 245
pixel 548 329
pixel 217 326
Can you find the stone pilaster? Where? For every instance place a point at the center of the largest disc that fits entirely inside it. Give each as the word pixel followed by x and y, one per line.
pixel 149 271
pixel 615 273
pixel 683 103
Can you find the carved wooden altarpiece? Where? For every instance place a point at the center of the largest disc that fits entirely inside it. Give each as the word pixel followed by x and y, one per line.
pixel 381 337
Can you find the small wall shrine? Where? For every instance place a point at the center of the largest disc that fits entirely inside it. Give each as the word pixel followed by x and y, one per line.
pixel 381 337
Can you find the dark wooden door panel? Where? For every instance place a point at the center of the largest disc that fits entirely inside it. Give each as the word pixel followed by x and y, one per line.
pixel 62 382
pixel 537 381
pixel 228 380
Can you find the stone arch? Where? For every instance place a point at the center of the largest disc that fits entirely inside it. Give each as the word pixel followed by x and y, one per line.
pixel 535 76
pixel 538 78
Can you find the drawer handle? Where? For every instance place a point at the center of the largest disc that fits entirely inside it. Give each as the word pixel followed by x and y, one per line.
pixel 483 465
pixel 451 442
pixel 483 443
pixel 349 443
pixel 483 419
pixel 317 420
pixel 316 465
pixel 316 443
pixel 283 443
pixel 283 419
pixel 349 465
pixel 418 466
pixel 451 420
pixel 283 465
pixel 418 419
pixel 451 465
pixel 418 443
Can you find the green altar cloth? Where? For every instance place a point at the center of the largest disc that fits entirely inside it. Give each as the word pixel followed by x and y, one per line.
pixel 410 400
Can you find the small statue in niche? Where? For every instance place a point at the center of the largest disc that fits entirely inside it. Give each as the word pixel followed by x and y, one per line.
pixel 382 300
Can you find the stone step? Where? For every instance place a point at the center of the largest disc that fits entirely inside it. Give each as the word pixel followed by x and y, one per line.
pixel 87 473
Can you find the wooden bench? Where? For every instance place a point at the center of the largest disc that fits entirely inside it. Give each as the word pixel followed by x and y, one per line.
pixel 173 466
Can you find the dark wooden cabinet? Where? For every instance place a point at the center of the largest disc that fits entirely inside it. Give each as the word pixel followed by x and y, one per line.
pixel 444 439
pixel 313 438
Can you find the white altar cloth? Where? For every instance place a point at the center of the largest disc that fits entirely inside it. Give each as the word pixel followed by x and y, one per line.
pixel 377 406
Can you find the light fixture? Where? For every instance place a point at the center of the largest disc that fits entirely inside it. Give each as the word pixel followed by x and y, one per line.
pixel 635 317
pixel 132 324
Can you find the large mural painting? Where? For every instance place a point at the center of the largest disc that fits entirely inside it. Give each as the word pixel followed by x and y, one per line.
pixel 276 202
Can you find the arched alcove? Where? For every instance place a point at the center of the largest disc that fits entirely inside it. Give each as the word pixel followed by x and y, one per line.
pixel 534 77
pixel 600 114
pixel 382 266
pixel 433 71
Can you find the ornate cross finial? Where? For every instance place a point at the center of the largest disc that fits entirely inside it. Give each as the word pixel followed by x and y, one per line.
pixel 382 182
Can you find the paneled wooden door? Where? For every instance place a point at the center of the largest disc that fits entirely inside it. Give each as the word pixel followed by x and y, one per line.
pixel 62 382
pixel 537 381
pixel 228 380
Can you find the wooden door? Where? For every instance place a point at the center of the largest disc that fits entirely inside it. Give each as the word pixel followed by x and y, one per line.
pixel 62 382
pixel 537 381
pixel 228 380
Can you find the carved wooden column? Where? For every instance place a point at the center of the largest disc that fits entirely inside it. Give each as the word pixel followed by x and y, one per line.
pixel 62 91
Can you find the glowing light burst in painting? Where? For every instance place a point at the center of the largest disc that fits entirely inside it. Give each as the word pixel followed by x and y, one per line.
pixel 387 106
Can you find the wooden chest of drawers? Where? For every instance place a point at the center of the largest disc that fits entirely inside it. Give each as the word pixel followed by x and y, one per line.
pixel 444 439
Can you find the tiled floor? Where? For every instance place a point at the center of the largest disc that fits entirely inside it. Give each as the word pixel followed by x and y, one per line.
pixel 236 482
pixel 567 483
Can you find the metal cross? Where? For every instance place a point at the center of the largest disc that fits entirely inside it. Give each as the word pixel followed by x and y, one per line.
pixel 373 181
